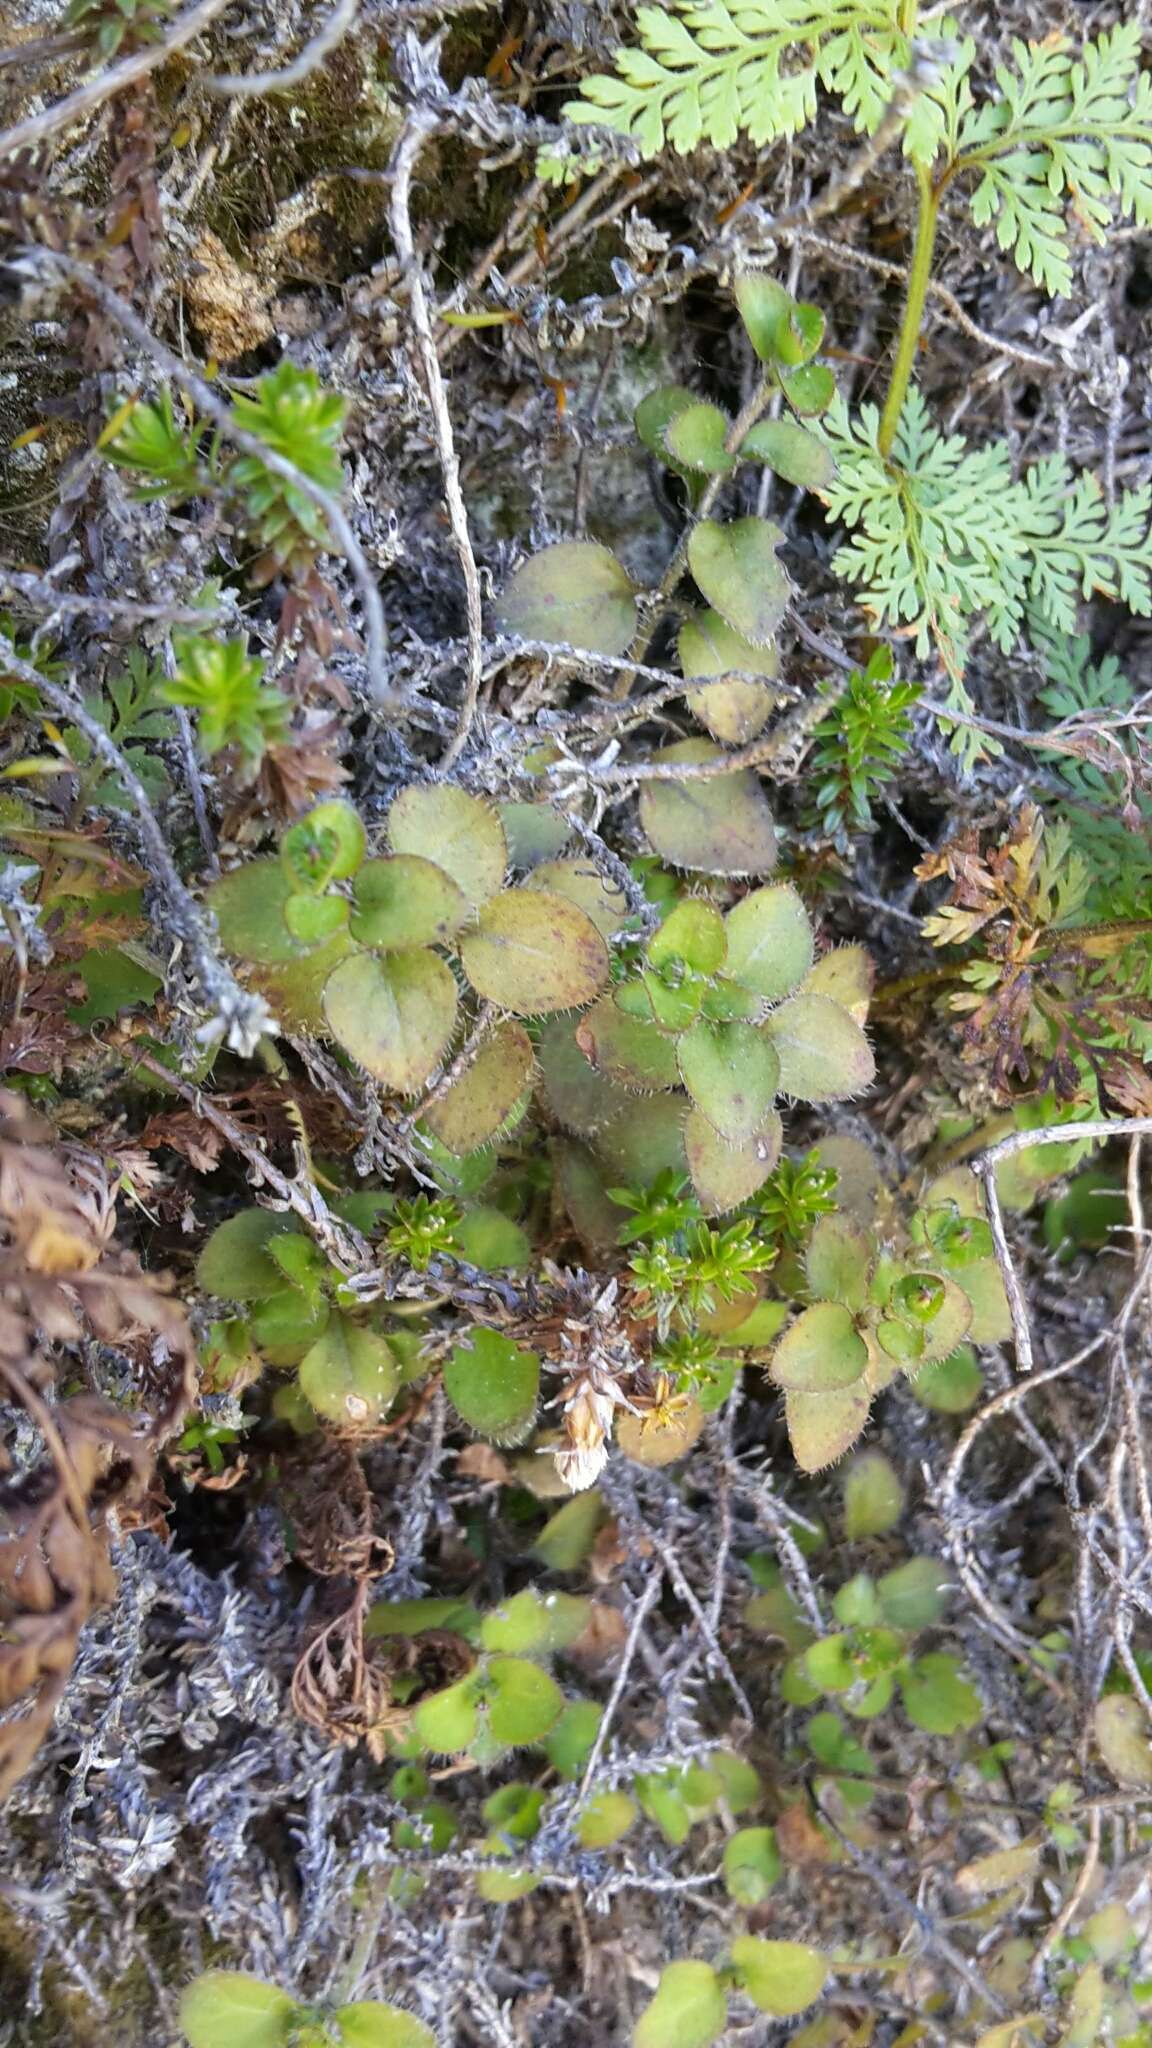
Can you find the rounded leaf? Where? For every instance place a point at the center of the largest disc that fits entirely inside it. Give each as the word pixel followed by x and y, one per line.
pixel 731 1071
pixel 501 1888
pixel 873 1496
pixel 765 306
pixel 824 1055
pixel 794 453
pixel 913 1595
pixel 752 1865
pixel 326 846
pixel 937 1697
pixel 582 884
pixel 654 413
pixel 810 389
pixel 312 919
pixel 462 835
pixel 708 646
pixel 693 933
pixel 645 1140
pixel 532 951
pixel 780 1977
pixel 580 1097
pixel 479 1104
pixel 350 1374
pixel 394 1015
pixel 845 974
pixel 523 1701
pixel 413 1617
pixel 248 905
pixel 725 1175
pixel 531 1622
pixel 535 833
pixel 694 439
pixel 490 1239
pixel 493 1385
pixel 983 1286
pixel 952 1385
pixel 927 1314
pixel 447 1721
pixel 737 569
pixel 571 1742
pixel 629 1050
pixel 1124 1738
pixel 574 593
pixel 770 942
pixel 838 1261
pixel 403 900
pixel 294 990
pixel 604 1819
pixel 371 2025
pixel 721 826
pixel 235 1264
pixel 230 2006
pixel 579 1182
pixel 567 1536
pixel 821 1427
pixel 735 708
pixel 690 2009
pixel 820 1352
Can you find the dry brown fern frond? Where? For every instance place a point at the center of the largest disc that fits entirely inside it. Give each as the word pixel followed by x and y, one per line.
pixel 62 1278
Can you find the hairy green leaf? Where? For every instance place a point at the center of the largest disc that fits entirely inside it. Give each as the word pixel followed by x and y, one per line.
pixel 532 951
pixel 574 593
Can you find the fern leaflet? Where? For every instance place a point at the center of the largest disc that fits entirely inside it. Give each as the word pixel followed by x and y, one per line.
pixel 945 533
pixel 710 71
pixel 1067 132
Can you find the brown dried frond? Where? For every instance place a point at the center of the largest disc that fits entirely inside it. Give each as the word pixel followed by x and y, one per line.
pixel 62 1278
pixel 343 1685
pixel 327 1500
pixel 339 1689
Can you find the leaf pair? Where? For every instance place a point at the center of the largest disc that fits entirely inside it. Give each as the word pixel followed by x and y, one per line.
pixel 351 941
pixel 230 2007
pixel 690 2008
pixel 732 1010
pixel 872 1317
pixel 347 1369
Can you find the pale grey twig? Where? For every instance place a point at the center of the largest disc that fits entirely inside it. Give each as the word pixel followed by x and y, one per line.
pixel 1028 358
pixel 640 1613
pixel 34 590
pixel 339 1241
pixel 37 127
pixel 788 736
pixel 253 84
pixel 419 126
pixel 715 1654
pixel 984 1167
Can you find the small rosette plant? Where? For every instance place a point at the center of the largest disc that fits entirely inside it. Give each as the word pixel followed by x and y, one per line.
pixel 354 946
pixel 732 1010
pixel 873 1315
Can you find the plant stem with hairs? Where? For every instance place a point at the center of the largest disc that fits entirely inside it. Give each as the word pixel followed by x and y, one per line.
pixel 919 277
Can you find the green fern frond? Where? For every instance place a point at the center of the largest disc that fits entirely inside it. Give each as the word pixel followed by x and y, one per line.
pixel 1068 134
pixel 1068 543
pixel 944 533
pixel 708 72
pixel 1101 798
pixel 930 544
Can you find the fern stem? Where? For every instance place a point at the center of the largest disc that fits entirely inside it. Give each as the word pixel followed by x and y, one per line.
pixel 918 282
pixel 909 9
